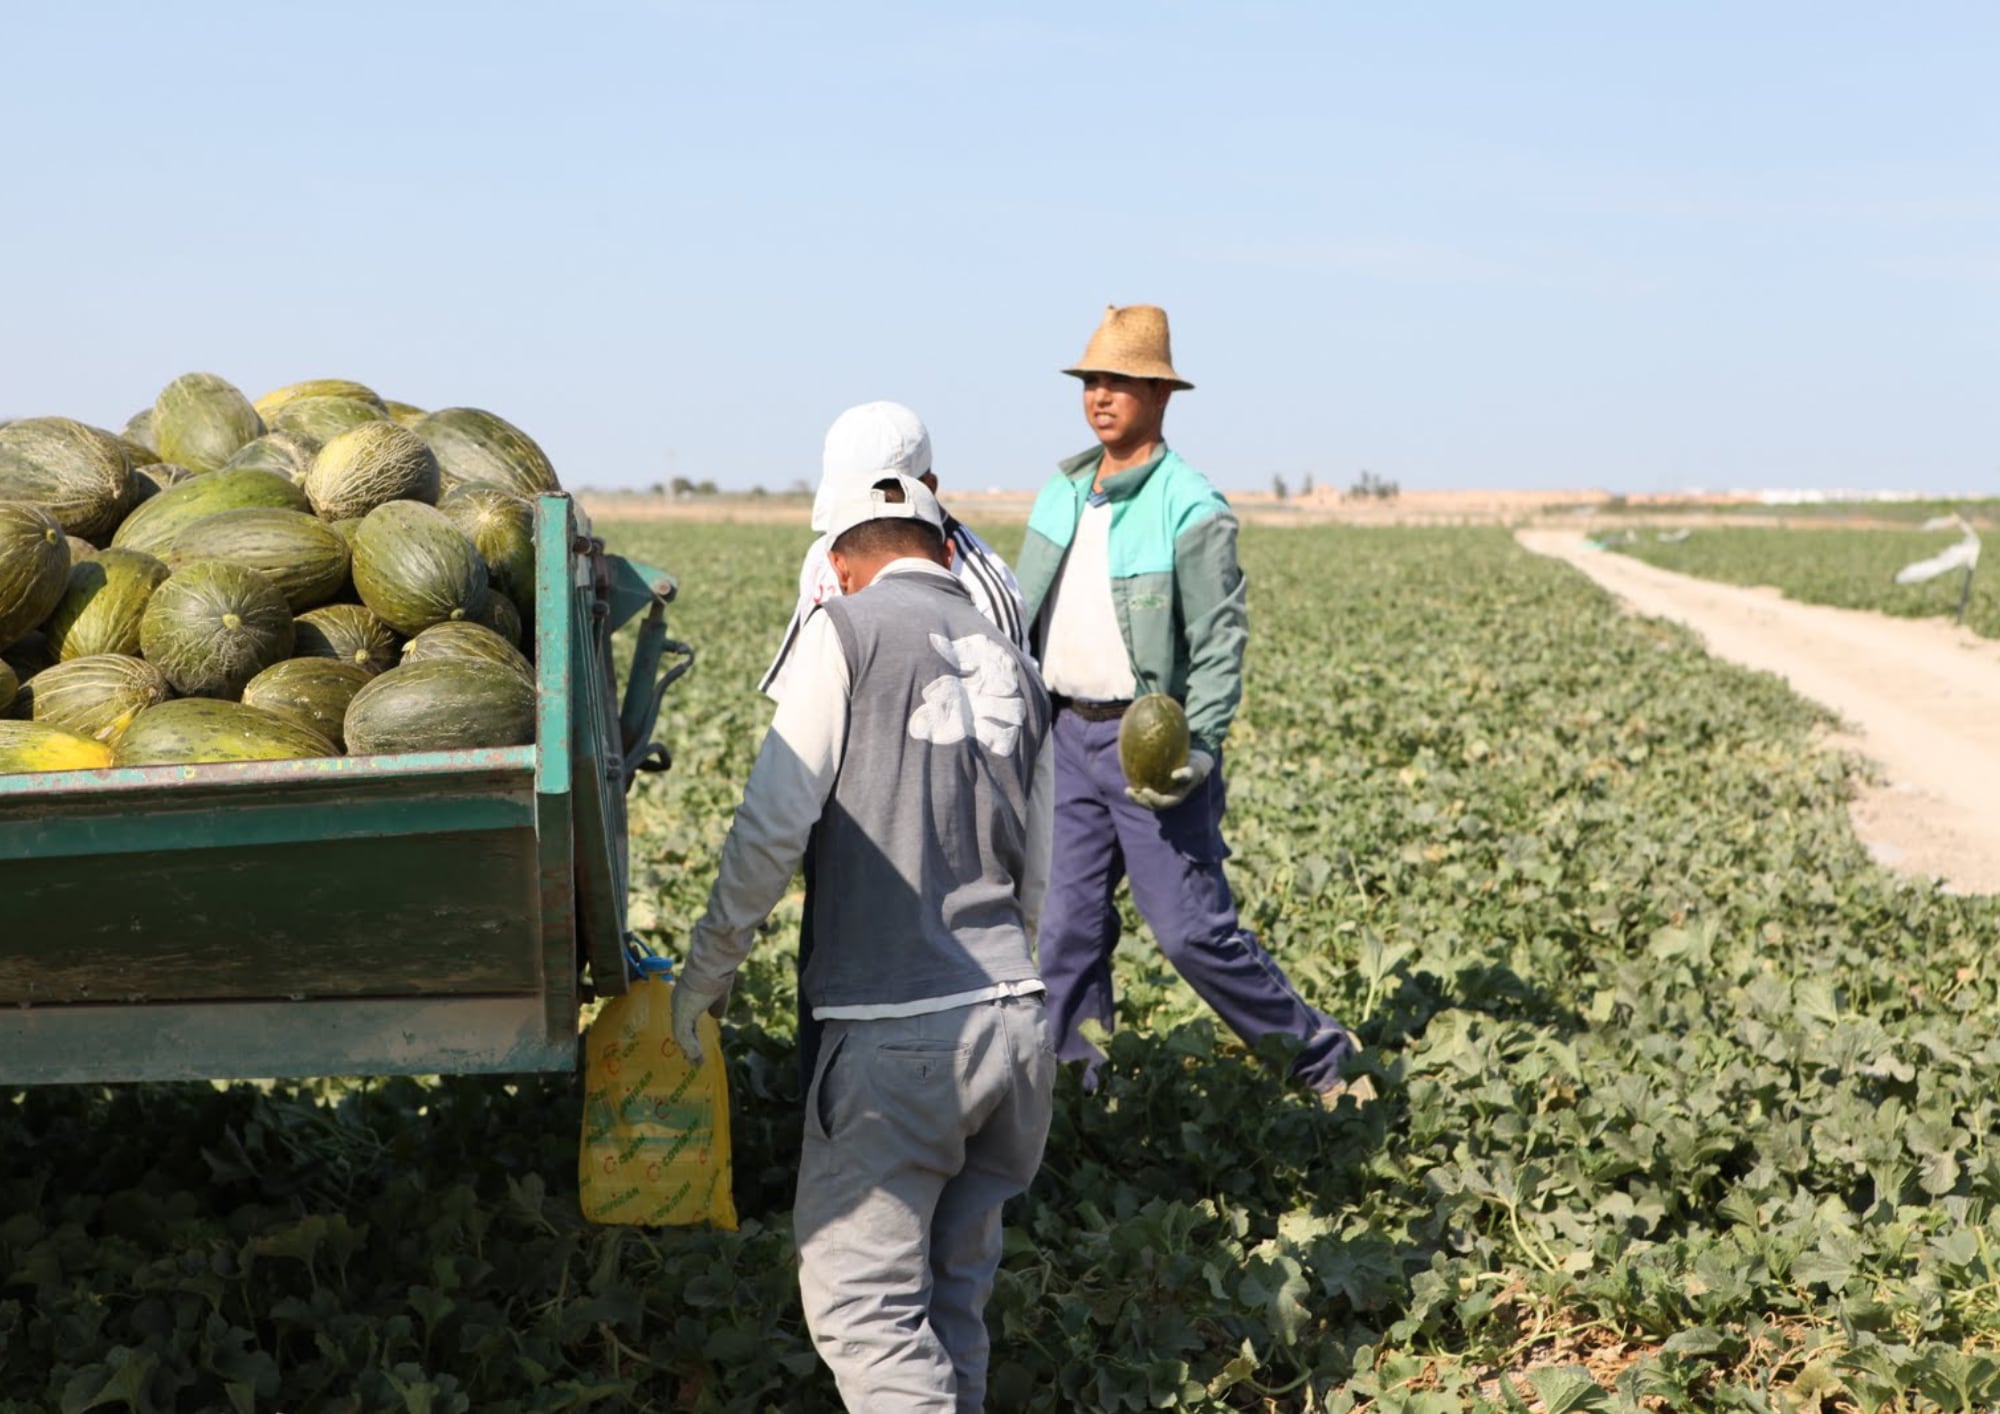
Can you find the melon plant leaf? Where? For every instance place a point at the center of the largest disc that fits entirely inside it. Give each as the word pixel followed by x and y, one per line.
pixel 1566 1389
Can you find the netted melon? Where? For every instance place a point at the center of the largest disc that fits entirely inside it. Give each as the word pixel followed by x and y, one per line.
pixel 1153 742
pixel 34 568
pixel 316 388
pixel 313 692
pixel 441 705
pixel 97 696
pixel 320 420
pixel 403 414
pixel 103 603
pixel 36 746
pixel 299 553
pixel 415 568
pixel 368 467
pixel 350 633
pixel 78 474
pixel 200 421
pixel 139 428
pixel 197 730
pixel 154 526
pixel 214 626
pixel 467 643
pixel 286 453
pixel 478 446
pixel 502 526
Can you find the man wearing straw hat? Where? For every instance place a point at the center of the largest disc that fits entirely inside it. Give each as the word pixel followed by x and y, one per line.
pixel 1131 583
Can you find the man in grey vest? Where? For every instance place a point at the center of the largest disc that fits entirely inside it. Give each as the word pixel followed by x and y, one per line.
pixel 910 748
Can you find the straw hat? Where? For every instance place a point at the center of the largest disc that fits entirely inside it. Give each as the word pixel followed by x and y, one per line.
pixel 1131 341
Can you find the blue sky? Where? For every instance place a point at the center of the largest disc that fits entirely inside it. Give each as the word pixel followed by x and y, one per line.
pixel 1547 245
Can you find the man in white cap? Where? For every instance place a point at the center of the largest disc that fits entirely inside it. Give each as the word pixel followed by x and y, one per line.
pixel 866 442
pixel 909 753
pixel 1132 585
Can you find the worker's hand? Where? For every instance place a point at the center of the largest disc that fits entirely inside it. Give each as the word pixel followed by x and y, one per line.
pixel 689 1003
pixel 1199 765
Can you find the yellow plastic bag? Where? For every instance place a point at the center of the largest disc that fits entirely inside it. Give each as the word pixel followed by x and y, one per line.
pixel 655 1148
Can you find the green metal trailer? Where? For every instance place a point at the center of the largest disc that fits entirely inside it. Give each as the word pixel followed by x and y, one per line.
pixel 424 913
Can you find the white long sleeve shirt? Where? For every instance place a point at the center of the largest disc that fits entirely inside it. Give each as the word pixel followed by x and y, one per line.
pixel 787 790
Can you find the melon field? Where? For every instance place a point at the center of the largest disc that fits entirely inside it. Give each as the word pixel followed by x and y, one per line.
pixel 1685 1103
pixel 1846 568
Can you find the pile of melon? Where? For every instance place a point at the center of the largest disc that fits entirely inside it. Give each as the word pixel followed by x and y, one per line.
pixel 316 573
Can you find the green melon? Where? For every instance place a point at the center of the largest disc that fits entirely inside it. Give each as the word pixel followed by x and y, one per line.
pixel 403 414
pixel 278 398
pixel 34 568
pixel 467 643
pixel 415 568
pixel 102 605
pixel 368 467
pixel 80 550
pixel 1153 742
pixel 78 474
pixel 504 619
pixel 502 526
pixel 351 633
pixel 139 428
pixel 441 705
pixel 301 554
pixel 314 692
pixel 10 686
pixel 97 696
pixel 36 746
pixel 214 626
pixel 200 421
pixel 473 445
pixel 346 528
pixel 320 420
pixel 283 452
pixel 154 526
pixel 198 730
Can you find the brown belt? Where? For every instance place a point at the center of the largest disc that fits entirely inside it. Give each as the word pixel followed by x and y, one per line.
pixel 1089 711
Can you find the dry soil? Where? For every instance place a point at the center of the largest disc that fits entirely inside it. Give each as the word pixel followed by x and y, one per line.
pixel 1921 698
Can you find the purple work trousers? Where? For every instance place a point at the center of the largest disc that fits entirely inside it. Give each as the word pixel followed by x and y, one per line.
pixel 1174 861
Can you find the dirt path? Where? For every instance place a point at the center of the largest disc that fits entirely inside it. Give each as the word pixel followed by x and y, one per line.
pixel 1921 698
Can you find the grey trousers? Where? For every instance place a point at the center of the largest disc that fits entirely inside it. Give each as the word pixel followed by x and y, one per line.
pixel 917 1130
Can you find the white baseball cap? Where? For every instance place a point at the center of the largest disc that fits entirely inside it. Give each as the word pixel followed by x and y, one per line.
pixel 865 444
pixel 861 504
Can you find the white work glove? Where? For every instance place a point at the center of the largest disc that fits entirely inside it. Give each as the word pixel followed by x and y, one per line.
pixel 689 1003
pixel 1199 765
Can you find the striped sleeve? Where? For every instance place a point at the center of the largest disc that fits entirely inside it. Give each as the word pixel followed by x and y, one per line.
pixel 991 584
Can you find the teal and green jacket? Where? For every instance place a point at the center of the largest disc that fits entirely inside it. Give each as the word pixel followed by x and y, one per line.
pixel 1175 582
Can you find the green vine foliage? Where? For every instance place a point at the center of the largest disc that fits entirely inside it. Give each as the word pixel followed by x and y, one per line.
pixel 1847 568
pixel 1686 1104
